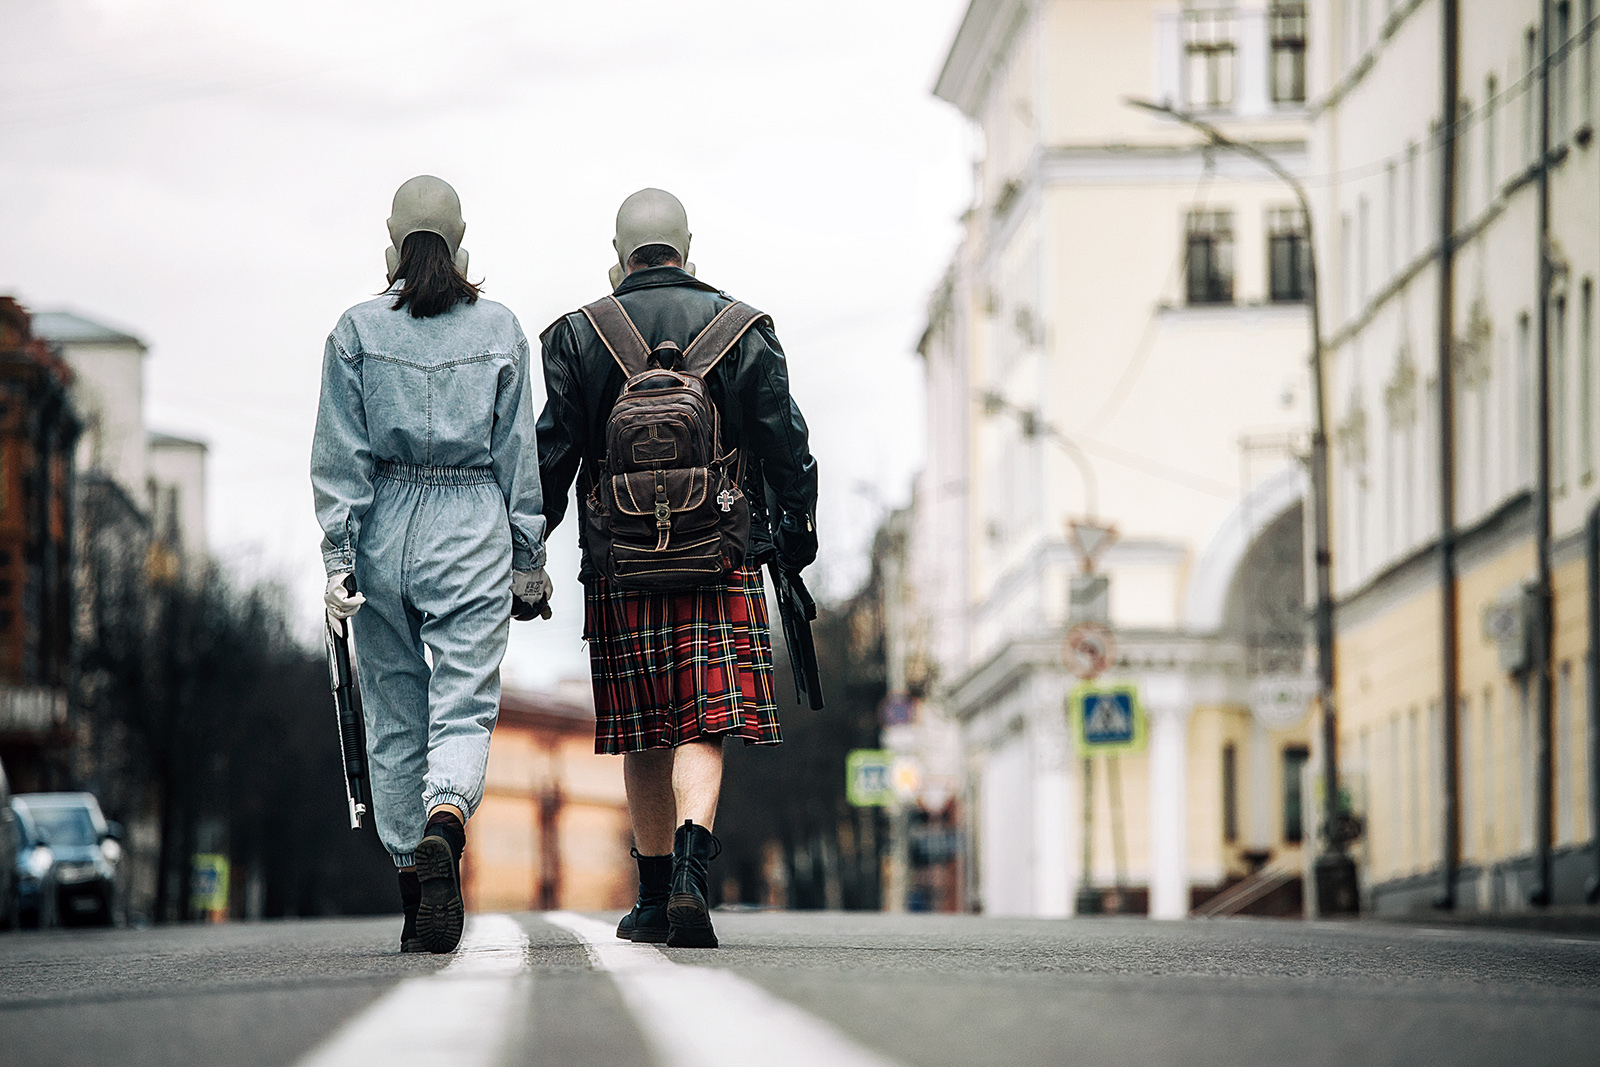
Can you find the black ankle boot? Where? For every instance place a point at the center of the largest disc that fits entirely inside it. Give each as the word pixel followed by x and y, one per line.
pixel 441 914
pixel 688 906
pixel 410 897
pixel 648 919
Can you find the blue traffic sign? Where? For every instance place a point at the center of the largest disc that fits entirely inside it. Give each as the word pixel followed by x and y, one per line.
pixel 1107 718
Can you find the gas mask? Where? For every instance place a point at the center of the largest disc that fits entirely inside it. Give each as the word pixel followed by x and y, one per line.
pixel 426 204
pixel 650 217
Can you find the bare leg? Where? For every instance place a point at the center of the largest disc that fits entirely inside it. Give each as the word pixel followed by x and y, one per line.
pixel 697 781
pixel 648 778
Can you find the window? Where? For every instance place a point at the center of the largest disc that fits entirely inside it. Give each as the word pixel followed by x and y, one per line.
pixel 1586 361
pixel 1490 764
pixel 1530 92
pixel 1562 56
pixel 1558 394
pixel 1210 257
pixel 1230 793
pixel 1562 765
pixel 1391 213
pixel 1588 60
pixel 1414 823
pixel 1288 52
pixel 1524 413
pixel 1491 104
pixel 1363 251
pixel 1411 200
pixel 1208 48
pixel 1295 758
pixel 1397 825
pixel 1347 258
pixel 1465 787
pixel 1287 254
pixel 1524 744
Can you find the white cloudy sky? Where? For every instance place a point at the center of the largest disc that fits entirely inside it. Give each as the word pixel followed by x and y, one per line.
pixel 214 177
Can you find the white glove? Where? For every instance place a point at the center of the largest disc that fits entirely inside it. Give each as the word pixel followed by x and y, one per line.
pixel 530 594
pixel 340 602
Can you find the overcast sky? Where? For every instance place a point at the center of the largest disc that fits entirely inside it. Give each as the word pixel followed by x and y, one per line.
pixel 214 178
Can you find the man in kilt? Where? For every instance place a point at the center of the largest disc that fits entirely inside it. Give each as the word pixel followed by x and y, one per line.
pixel 676 673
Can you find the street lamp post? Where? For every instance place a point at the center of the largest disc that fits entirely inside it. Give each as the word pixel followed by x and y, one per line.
pixel 1335 870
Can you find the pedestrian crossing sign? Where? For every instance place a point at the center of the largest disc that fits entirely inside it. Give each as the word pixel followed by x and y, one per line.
pixel 1106 718
pixel 869 781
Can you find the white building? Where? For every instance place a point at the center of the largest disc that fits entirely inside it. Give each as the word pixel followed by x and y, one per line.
pixel 162 476
pixel 1123 334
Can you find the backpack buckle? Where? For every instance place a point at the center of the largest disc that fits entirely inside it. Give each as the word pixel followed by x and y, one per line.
pixel 663 508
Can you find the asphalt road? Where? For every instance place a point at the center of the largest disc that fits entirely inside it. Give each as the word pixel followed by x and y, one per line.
pixel 826 990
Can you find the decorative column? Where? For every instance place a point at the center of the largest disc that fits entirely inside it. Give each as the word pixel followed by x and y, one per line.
pixel 1053 880
pixel 1166 703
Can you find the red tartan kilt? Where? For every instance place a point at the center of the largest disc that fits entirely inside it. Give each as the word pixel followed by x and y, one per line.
pixel 673 667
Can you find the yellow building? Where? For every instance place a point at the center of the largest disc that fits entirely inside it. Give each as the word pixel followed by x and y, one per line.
pixel 1482 800
pixel 552 831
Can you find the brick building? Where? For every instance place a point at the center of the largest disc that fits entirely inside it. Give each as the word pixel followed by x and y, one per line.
pixel 38 434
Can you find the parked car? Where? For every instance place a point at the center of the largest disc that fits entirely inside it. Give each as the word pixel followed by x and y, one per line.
pixel 9 846
pixel 69 865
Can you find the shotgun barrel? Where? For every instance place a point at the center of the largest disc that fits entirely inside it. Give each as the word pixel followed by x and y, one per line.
pixel 352 728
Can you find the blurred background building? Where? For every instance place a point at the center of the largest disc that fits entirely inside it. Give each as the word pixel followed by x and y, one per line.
pixel 39 431
pixel 552 831
pixel 1121 340
pixel 1460 242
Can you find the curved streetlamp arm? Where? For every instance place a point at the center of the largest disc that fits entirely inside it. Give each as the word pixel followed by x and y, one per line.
pixel 1335 829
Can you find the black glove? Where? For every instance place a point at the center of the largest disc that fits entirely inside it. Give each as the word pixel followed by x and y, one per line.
pixel 796 542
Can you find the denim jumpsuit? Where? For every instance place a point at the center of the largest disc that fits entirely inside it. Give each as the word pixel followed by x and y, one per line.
pixel 426 478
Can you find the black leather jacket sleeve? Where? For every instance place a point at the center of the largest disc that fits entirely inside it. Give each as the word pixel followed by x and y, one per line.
pixel 776 432
pixel 563 425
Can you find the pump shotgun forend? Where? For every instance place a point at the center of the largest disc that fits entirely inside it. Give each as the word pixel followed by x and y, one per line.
pixel 352 729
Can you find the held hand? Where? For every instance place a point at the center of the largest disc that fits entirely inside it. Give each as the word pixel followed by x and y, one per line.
pixel 796 541
pixel 530 594
pixel 341 602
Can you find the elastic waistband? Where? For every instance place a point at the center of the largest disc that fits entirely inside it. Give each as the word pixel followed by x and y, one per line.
pixel 416 472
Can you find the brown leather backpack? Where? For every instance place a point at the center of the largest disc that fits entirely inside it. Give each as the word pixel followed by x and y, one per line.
pixel 666 512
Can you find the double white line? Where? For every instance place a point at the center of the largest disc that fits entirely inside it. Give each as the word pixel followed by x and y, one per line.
pixel 458 1015
pixel 692 1016
pixel 708 1017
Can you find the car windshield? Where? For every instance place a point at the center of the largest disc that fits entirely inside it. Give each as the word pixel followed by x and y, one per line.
pixel 63 826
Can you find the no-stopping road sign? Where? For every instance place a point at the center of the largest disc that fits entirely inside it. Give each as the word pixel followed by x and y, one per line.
pixel 1088 650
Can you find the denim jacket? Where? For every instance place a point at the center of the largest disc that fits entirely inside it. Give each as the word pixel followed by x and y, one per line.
pixel 446 391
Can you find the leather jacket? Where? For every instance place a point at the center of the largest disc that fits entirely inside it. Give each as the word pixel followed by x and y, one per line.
pixel 750 387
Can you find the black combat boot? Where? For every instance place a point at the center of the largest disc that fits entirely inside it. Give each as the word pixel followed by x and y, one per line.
pixel 410 897
pixel 688 906
pixel 440 914
pixel 648 919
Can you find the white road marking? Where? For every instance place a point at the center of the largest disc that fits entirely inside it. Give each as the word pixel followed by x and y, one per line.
pixel 697 1016
pixel 458 1015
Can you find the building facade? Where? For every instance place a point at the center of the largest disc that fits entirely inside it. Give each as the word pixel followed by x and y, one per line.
pixel 38 436
pixel 553 830
pixel 138 507
pixel 1121 340
pixel 1458 217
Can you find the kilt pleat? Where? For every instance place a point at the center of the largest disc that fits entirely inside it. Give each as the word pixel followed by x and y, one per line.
pixel 673 667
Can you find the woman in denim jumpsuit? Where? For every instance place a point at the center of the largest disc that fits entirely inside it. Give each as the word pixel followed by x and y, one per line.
pixel 426 479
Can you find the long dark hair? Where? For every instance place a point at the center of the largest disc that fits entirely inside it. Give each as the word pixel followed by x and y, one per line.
pixel 432 285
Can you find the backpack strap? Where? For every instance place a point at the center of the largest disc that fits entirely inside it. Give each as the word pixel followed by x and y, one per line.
pixel 619 334
pixel 720 335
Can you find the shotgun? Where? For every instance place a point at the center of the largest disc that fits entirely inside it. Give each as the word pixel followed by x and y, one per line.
pixel 352 728
pixel 796 609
